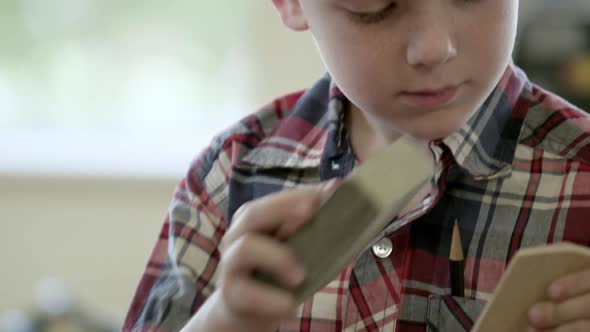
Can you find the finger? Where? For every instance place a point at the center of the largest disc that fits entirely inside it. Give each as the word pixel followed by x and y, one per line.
pixel 279 214
pixel 570 286
pixel 538 315
pixel 259 253
pixel 550 315
pixel 268 214
pixel 287 229
pixel 581 325
pixel 247 297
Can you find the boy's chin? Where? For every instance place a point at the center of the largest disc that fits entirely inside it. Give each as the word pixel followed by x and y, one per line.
pixel 434 131
pixel 436 125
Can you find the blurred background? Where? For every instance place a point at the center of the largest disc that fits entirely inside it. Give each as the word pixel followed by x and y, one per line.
pixel 103 104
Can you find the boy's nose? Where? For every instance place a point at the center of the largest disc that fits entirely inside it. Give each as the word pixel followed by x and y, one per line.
pixel 430 45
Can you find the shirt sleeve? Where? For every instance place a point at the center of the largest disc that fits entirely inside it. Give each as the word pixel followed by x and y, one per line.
pixel 181 271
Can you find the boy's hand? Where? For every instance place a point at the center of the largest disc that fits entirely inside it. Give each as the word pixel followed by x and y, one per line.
pixel 254 242
pixel 569 307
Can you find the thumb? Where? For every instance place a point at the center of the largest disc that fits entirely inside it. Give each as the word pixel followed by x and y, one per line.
pixel 328 188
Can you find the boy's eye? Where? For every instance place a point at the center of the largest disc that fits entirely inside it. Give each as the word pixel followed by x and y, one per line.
pixel 376 16
pixel 373 17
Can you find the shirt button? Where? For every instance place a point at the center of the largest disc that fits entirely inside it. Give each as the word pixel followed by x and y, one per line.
pixel 335 166
pixel 383 248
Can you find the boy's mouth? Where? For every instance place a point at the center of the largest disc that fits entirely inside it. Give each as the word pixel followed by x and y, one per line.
pixel 431 98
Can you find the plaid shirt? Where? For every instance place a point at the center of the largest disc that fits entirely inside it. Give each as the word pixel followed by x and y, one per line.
pixel 515 175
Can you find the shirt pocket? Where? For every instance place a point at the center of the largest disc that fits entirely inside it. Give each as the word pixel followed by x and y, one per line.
pixel 452 314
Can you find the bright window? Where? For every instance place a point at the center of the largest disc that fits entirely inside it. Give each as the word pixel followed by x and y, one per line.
pixel 135 87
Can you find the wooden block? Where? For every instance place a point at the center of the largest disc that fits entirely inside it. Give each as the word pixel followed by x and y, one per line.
pixel 525 282
pixel 360 208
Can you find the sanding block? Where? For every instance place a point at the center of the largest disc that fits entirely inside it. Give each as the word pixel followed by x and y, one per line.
pixel 526 281
pixel 359 209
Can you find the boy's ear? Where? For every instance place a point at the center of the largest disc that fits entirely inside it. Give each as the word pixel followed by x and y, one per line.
pixel 291 14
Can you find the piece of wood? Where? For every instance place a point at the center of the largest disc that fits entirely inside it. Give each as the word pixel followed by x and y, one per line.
pixel 360 208
pixel 526 281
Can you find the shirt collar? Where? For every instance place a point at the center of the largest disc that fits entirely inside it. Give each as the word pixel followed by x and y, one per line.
pixel 484 146
pixel 309 132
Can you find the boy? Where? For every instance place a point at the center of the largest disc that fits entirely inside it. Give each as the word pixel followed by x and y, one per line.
pixel 513 163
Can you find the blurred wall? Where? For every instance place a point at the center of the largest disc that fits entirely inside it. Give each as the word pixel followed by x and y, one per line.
pixel 96 233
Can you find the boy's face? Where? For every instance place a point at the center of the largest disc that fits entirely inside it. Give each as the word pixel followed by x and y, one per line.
pixel 394 59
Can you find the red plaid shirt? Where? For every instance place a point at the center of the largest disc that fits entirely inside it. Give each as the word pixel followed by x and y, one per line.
pixel 516 174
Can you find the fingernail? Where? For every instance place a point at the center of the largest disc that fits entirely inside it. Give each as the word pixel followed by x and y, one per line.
pixel 555 291
pixel 536 314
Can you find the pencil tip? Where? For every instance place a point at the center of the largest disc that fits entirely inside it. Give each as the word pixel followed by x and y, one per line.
pixel 456 245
